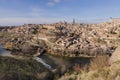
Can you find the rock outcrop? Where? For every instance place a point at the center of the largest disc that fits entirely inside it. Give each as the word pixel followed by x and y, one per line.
pixel 115 56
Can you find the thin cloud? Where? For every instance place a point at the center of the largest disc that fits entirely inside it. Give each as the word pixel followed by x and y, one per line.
pixel 31 12
pixel 20 21
pixel 36 12
pixel 50 4
pixel 53 2
pixel 12 13
pixel 56 1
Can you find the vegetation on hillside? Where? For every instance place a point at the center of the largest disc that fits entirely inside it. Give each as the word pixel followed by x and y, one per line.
pixel 99 69
pixel 15 69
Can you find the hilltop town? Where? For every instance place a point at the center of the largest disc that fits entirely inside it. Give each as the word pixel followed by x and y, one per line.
pixel 63 39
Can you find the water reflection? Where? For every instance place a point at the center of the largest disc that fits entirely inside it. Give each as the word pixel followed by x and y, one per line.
pixel 4 52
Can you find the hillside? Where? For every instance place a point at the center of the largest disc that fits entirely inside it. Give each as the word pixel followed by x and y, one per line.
pixel 104 73
pixel 22 69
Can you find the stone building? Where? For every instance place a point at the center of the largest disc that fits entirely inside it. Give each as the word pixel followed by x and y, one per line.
pixel 49 27
pixel 115 21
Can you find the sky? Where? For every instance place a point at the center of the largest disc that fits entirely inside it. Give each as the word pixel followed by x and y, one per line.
pixel 18 12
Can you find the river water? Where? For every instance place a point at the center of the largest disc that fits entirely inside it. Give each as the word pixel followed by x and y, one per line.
pixel 4 52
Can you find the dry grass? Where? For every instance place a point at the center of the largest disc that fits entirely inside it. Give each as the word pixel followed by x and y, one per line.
pixel 99 62
pixel 98 70
pixel 80 67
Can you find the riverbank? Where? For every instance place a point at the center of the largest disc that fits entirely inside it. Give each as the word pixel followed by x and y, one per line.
pixel 59 65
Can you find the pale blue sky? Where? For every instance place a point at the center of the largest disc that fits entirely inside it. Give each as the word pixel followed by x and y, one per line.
pixel 16 12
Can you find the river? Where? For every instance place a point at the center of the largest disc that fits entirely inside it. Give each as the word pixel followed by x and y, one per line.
pixel 54 63
pixel 4 52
